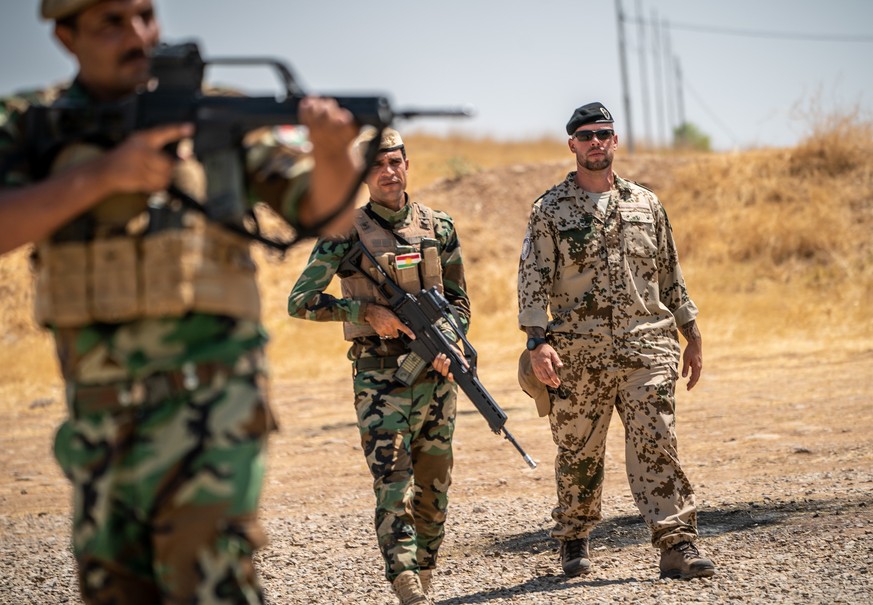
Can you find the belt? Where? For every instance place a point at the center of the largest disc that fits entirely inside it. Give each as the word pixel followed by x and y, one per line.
pixel 148 391
pixel 375 363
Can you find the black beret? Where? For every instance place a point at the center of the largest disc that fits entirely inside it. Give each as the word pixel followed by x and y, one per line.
pixel 593 113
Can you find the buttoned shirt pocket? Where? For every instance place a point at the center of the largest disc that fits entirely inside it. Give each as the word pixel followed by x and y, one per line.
pixel 577 240
pixel 638 232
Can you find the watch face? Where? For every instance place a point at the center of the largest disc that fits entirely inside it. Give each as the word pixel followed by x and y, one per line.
pixel 533 343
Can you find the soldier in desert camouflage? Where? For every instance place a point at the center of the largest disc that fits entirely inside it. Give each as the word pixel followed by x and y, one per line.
pixel 406 431
pixel 157 329
pixel 600 296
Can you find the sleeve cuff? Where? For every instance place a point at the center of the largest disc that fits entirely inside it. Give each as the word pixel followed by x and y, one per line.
pixel 533 318
pixel 685 313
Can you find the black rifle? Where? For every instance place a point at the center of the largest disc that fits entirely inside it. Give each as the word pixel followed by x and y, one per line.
pixel 175 95
pixel 424 314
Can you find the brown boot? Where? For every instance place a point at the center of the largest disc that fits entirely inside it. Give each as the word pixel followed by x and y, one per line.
pixel 683 561
pixel 407 587
pixel 574 557
pixel 425 575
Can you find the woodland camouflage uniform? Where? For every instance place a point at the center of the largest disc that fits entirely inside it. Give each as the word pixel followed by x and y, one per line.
pixel 168 413
pixel 406 432
pixel 613 286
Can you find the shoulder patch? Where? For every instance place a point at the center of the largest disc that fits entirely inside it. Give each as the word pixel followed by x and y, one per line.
pixel 525 246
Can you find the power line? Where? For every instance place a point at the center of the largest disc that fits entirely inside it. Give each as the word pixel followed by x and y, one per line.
pixel 711 113
pixel 769 34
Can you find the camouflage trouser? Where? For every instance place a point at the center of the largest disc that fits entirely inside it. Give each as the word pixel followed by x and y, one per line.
pixel 166 496
pixel 406 434
pixel 581 411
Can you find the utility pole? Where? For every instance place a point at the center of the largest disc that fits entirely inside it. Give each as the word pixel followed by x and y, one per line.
pixel 644 77
pixel 659 93
pixel 680 94
pixel 624 83
pixel 668 80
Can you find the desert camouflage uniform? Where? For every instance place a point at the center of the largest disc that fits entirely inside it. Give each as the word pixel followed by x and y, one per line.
pixel 167 429
pixel 406 432
pixel 612 283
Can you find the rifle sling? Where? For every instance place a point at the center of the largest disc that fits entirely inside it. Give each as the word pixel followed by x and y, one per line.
pixel 385 225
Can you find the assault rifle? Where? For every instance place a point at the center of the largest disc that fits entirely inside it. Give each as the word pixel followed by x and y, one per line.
pixel 175 95
pixel 424 314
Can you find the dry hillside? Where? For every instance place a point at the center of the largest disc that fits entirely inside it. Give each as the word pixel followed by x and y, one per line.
pixel 774 243
pixel 776 248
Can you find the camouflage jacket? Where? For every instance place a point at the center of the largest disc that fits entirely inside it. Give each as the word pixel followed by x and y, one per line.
pixel 612 276
pixel 105 353
pixel 308 300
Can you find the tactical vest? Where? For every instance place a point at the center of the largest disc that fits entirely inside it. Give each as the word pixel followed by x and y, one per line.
pixel 113 264
pixel 418 260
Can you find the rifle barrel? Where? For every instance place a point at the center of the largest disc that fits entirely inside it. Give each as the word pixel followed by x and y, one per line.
pixel 524 454
pixel 449 112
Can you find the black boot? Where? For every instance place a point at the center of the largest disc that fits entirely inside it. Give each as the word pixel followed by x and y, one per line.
pixel 574 557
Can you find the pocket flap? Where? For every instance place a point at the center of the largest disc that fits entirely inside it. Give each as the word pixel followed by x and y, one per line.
pixel 637 216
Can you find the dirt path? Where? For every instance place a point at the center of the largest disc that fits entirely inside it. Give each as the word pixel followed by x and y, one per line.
pixel 777 444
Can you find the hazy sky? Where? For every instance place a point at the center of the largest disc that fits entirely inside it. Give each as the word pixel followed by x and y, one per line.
pixel 754 72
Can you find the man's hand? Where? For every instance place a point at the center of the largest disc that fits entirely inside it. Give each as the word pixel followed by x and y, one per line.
pixel 442 364
pixel 332 130
pixel 692 358
pixel 545 363
pixel 385 322
pixel 139 165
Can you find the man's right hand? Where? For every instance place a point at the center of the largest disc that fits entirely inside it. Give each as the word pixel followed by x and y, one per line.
pixel 545 363
pixel 385 322
pixel 139 165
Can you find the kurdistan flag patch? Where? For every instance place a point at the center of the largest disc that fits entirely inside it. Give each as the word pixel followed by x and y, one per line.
pixel 404 261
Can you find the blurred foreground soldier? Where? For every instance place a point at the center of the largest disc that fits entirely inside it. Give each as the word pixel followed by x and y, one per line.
pixel 600 295
pixel 157 330
pixel 406 431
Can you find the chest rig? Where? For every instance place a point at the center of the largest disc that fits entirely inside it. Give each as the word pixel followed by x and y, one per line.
pixel 408 252
pixel 132 257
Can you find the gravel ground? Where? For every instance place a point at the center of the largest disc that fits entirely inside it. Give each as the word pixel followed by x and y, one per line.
pixel 803 539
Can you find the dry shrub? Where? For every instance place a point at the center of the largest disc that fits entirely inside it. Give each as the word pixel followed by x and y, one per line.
pixel 839 144
pixel 778 240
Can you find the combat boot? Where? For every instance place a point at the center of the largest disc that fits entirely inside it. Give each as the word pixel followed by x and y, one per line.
pixel 425 575
pixel 574 557
pixel 683 561
pixel 407 587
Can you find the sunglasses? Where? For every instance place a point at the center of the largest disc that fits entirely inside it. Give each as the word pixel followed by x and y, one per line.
pixel 586 135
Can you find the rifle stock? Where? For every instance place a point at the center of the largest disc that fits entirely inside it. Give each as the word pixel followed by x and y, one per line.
pixel 422 314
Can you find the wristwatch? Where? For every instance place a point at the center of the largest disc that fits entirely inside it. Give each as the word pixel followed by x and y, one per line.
pixel 533 342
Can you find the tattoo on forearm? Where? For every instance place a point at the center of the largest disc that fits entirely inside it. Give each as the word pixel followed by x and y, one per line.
pixel 691 332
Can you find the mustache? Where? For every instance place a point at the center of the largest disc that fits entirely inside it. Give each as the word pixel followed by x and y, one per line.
pixel 134 54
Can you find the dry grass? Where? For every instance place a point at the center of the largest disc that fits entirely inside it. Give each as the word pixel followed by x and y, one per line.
pixel 777 242
pixel 775 246
pixel 453 157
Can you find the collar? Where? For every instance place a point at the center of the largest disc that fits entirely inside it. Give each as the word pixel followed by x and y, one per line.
pixel 393 217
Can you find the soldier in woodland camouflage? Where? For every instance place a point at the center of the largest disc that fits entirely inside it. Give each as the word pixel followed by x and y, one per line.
pixel 157 330
pixel 600 296
pixel 406 432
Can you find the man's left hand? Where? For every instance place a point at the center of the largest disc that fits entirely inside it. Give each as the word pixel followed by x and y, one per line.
pixel 693 357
